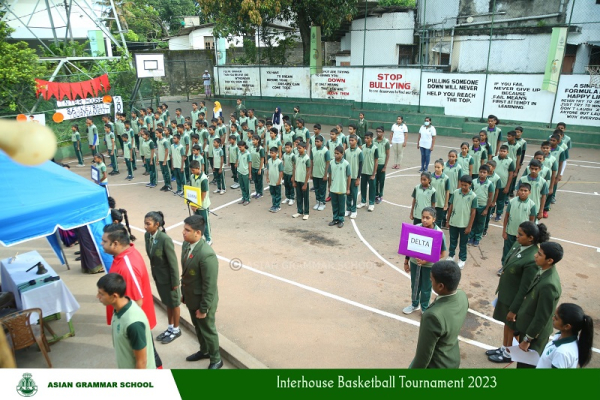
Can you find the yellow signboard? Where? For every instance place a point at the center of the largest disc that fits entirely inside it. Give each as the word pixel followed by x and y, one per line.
pixel 193 194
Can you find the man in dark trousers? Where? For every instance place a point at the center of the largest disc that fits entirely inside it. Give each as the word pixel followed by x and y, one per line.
pixel 441 322
pixel 200 269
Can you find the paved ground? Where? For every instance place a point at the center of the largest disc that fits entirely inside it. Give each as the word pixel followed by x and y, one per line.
pixel 312 296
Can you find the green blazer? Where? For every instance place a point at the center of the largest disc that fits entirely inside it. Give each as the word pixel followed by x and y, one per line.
pixel 199 277
pixel 163 260
pixel 535 315
pixel 438 334
pixel 518 273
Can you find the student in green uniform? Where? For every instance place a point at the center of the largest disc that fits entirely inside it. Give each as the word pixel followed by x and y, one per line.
pixel 200 180
pixel 520 209
pixel 274 178
pixel 239 106
pixel 234 152
pixel 119 130
pixel 300 178
pixel 383 150
pixel 479 155
pixel 483 142
pixel 548 172
pixel 339 177
pixel 453 170
pixel 558 153
pixel 485 191
pixel 148 120
pixel 420 270
pixel 178 159
pixel 76 139
pixel 243 119
pixel 516 276
pixel 437 346
pixel 367 177
pixel 462 210
pixel 202 108
pixel 99 160
pixel 166 116
pixel 295 117
pixel 423 196
pixel 289 165
pixel 534 319
pixel 494 178
pixel 219 162
pixel 539 187
pixel 195 113
pixel 261 131
pixel 148 152
pixel 112 151
pixel 494 134
pixel 273 141
pixel 243 167
pixel 441 184
pixel 92 134
pixel 209 150
pixel 128 150
pixel 197 156
pixel 252 121
pixel 106 120
pixel 505 168
pixel 320 159
pixel 352 129
pixel 514 152
pixel 258 164
pixel 465 160
pixel 165 271
pixel 363 126
pixel 288 134
pixel 187 143
pixel 163 149
pixel 180 119
pixel 354 156
pixel 134 140
pixel 521 142
pixel 303 133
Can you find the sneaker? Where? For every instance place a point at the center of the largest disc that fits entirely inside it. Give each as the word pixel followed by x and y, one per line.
pixel 378 200
pixel 316 206
pixel 296 215
pixel 172 336
pixel 475 243
pixel 223 191
pixel 353 215
pixel 217 191
pixel 209 242
pixel 499 272
pixel 461 264
pixel 450 258
pixel 347 214
pixel 235 186
pixel 553 201
pixel 241 202
pixel 285 201
pixel 163 335
pixel 148 173
pixel 258 196
pixel 328 199
pixel 116 172
pixel 291 203
pixel 484 233
pixel 360 205
pixel 305 217
pixel 164 189
pixel 148 184
pixel 253 194
pixel 245 203
pixel 371 207
pixel 545 214
pixel 277 209
pixel 410 309
pixel 321 207
pixel 172 179
pixel 498 217
pixel 470 242
pixel 180 193
pixel 271 209
pixel 81 165
pixel 312 189
pixel 333 223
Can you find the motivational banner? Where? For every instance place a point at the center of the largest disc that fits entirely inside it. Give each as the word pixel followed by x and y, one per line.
pixel 84 111
pixel 459 94
pixel 578 102
pixel 391 86
pixel 285 82
pixel 337 83
pixel 238 81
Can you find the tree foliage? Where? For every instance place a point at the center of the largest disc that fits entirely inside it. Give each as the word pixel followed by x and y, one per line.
pixel 171 11
pixel 19 67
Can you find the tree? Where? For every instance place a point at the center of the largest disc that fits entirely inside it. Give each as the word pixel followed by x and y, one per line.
pixel 139 18
pixel 171 11
pixel 234 17
pixel 19 68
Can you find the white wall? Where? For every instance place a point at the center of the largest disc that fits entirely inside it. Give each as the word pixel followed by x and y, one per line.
pixel 383 35
pixel 516 53
pixel 436 11
pixel 340 59
pixel 180 43
pixel 24 9
pixel 345 42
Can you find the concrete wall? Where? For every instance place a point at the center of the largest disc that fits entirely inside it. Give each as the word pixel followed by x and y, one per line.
pixel 383 36
pixel 441 13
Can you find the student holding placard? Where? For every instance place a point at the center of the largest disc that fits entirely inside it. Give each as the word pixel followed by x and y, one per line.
pixel 200 180
pixel 423 196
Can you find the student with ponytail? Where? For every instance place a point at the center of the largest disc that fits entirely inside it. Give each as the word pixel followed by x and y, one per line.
pixel 165 271
pixel 572 345
pixel 117 216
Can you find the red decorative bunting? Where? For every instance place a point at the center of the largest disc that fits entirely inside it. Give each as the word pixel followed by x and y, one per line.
pixel 73 90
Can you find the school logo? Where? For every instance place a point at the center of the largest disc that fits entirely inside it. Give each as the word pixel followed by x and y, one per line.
pixel 27 386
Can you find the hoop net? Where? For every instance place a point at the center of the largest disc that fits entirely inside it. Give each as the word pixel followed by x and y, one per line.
pixel 594 71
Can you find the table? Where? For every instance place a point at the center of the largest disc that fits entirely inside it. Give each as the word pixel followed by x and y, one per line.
pixel 52 298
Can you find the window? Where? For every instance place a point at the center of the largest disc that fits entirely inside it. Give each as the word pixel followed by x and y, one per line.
pixel 209 42
pixel 405 54
pixel 444 59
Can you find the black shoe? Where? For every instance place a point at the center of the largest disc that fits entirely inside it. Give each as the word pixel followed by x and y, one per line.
pixel 499 358
pixel 163 335
pixel 217 365
pixel 77 253
pixel 171 336
pixel 163 189
pixel 78 259
pixel 493 352
pixel 197 357
pixel 333 223
pixel 341 224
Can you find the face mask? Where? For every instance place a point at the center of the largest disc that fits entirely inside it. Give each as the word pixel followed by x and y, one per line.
pixel 427 123
pixel 491 129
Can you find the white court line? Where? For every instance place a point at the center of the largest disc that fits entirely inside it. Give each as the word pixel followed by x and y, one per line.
pixel 397 176
pixel 572 191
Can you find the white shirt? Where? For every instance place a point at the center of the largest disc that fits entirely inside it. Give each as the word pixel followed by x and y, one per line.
pixel 427 134
pixel 206 78
pixel 399 131
pixel 560 353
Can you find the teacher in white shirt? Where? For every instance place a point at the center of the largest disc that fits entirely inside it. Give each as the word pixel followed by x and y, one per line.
pixel 399 138
pixel 426 142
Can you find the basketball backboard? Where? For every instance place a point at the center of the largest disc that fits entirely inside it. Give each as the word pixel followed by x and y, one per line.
pixel 150 65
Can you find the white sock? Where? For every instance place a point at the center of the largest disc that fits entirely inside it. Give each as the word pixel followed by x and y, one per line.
pixel 502 348
pixel 175 330
pixel 170 327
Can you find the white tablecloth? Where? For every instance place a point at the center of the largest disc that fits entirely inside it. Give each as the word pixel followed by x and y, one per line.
pixel 52 298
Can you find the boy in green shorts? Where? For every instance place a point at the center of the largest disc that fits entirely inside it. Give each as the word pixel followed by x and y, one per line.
pixel 354 156
pixel 300 181
pixel 109 138
pixel 539 187
pixel 339 174
pixel 178 158
pixel 520 209
pixel 383 147
pixel 274 177
pixel 76 139
pixel 289 165
pixel 243 166
pixel 198 179
pixel 128 150
pixel 367 177
pixel 218 161
pixel 505 168
pixel 320 158
pixel 485 190
pixel 163 148
pixel 462 209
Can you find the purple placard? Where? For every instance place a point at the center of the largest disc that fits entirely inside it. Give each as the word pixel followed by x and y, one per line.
pixel 419 242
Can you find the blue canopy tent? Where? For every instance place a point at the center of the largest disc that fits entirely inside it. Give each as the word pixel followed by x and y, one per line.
pixel 38 200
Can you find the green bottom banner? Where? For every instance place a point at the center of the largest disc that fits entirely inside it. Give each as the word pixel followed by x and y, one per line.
pixel 463 384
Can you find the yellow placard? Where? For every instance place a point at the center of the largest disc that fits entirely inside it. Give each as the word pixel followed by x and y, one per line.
pixel 193 194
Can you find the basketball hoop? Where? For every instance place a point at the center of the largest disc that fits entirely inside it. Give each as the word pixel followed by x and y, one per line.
pixel 594 71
